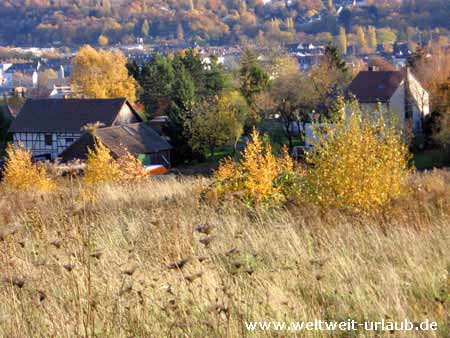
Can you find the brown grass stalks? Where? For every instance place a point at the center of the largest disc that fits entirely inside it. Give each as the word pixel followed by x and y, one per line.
pixel 103 268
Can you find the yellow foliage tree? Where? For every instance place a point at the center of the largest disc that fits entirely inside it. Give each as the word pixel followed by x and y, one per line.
pixel 21 174
pixel 103 40
pixel 101 167
pixel 259 179
pixel 359 163
pixel 102 74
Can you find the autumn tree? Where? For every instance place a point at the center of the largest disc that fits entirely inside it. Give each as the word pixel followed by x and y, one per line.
pixel 372 38
pixel 22 174
pixel 361 39
pixel 287 97
pixel 380 63
pixel 342 41
pixel 103 40
pixel 386 36
pixel 101 168
pixel 217 122
pixel 259 179
pixel 358 164
pixel 102 74
pixel 326 80
pixel 222 22
pixel 434 72
pixel 283 65
pixel 145 28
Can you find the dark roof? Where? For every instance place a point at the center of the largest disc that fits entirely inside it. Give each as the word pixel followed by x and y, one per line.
pixel 65 115
pixel 23 67
pixel 137 138
pixel 375 86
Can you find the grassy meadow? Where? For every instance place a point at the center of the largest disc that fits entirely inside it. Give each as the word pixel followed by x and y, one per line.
pixel 157 260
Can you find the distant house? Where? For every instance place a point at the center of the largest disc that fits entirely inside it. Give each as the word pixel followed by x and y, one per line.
pixel 28 74
pixel 398 92
pixel 138 138
pixel 62 92
pixel 49 126
pixel 360 3
pixel 22 74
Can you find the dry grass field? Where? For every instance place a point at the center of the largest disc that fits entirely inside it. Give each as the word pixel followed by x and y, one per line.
pixel 155 260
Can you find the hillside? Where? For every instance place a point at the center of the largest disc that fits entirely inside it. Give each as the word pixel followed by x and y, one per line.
pixel 135 264
pixel 68 23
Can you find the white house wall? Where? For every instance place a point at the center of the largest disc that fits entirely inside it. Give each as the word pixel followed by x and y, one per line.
pixel 420 104
pixel 126 116
pixel 35 142
pixel 397 104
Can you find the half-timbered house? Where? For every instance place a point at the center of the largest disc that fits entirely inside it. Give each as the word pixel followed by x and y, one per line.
pixel 49 126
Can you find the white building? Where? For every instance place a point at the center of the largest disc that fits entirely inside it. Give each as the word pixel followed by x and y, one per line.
pixel 398 92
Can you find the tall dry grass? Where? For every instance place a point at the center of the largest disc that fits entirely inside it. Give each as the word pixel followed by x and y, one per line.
pixel 155 260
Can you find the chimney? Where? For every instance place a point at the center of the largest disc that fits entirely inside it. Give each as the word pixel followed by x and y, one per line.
pixel 373 68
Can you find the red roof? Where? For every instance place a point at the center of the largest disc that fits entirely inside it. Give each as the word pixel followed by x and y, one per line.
pixel 375 86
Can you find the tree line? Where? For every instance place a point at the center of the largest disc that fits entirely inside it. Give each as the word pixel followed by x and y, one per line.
pixel 45 22
pixel 209 106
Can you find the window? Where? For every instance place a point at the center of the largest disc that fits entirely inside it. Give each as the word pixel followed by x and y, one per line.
pixel 69 140
pixel 48 139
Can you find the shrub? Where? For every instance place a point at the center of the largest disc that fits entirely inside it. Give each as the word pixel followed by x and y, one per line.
pixel 259 179
pixel 358 164
pixel 101 167
pixel 21 174
pixel 131 169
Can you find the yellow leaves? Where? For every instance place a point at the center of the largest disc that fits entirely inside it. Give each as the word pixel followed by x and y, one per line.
pixel 262 169
pixel 256 179
pixel 102 74
pixel 103 40
pixel 357 165
pixel 102 168
pixel 21 174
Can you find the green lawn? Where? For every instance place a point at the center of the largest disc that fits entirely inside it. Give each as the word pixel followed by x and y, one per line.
pixel 220 153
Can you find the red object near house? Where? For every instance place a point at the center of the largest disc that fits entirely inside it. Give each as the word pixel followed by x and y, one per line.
pixel 156 169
